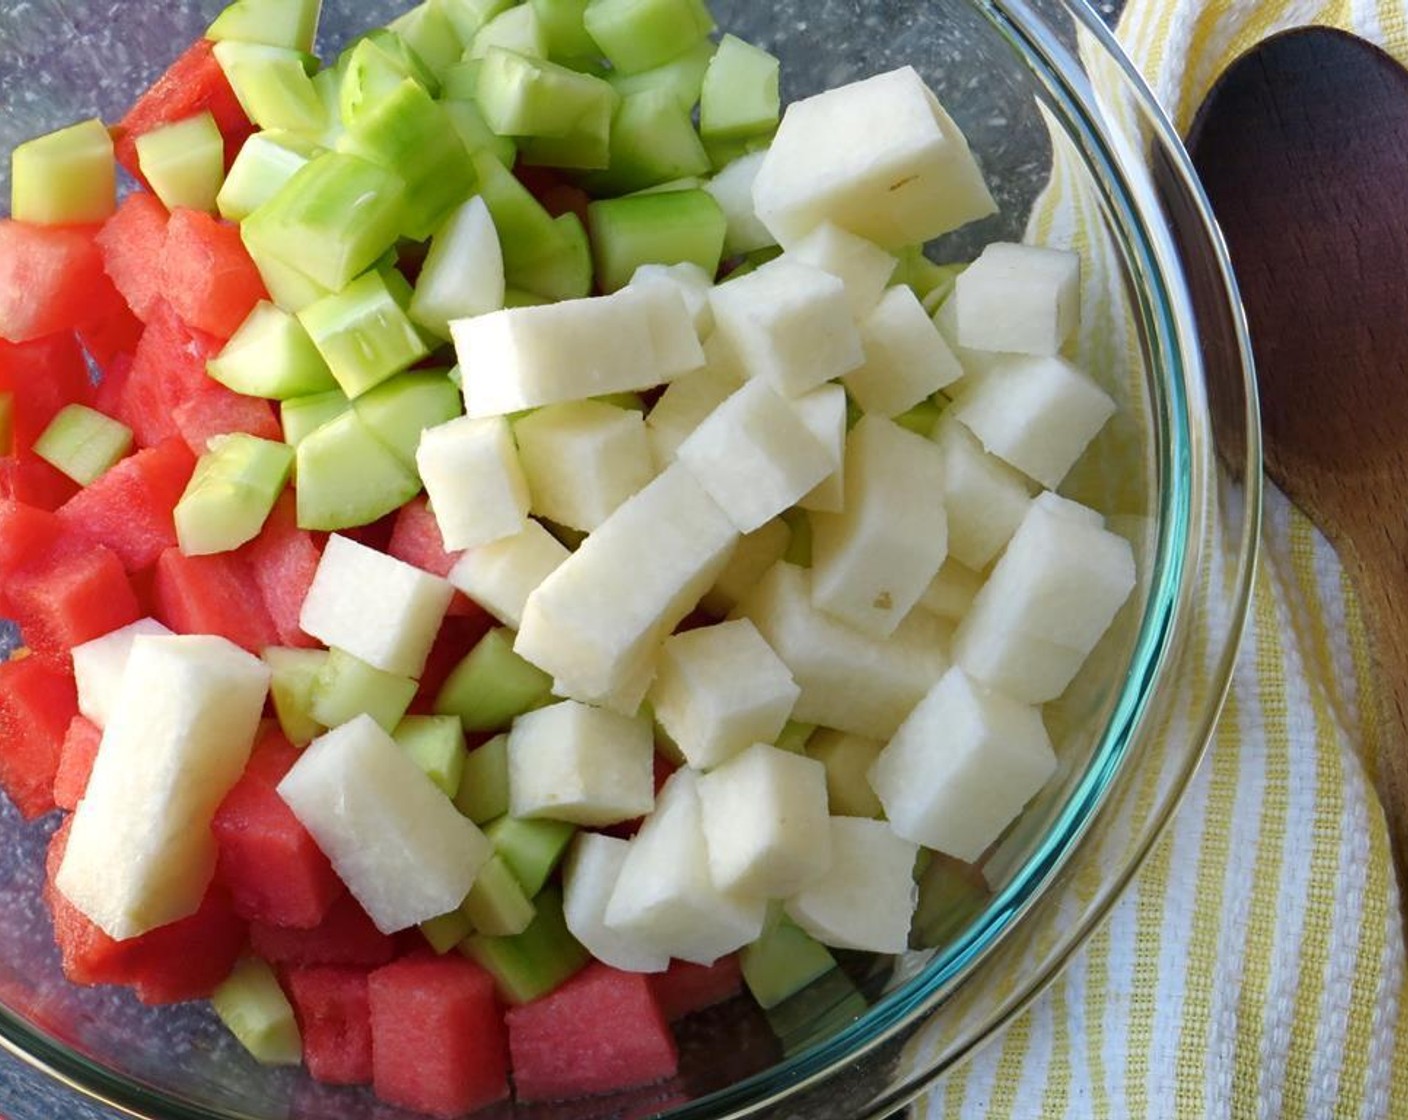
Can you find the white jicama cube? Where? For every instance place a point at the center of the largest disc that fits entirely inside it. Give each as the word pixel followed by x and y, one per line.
pixel 849 680
pixel 975 363
pixel 953 590
pixel 861 265
pixel 475 482
pixel 403 849
pixel 871 564
pixel 583 459
pixel 501 576
pixel 691 281
pixel 98 667
pixel 589 876
pixel 985 498
pixel 879 158
pixel 571 762
pixel 962 766
pixel 823 411
pixel 755 456
pixel 906 358
pixel 732 189
pixel 665 895
pixel 720 689
pixel 463 274
pixel 628 696
pixel 866 900
pixel 751 559
pixel 1050 598
pixel 1039 414
pixel 1020 299
pixel 595 621
pixel 790 325
pixel 140 854
pixel 375 607
pixel 524 357
pixel 766 822
pixel 688 401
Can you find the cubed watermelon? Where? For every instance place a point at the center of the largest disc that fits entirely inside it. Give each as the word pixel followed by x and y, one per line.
pixel 79 752
pixel 107 394
pixel 601 1032
pixel 51 279
pixel 28 479
pixel 207 274
pixel 132 240
pixel 438 1043
pixel 111 341
pixel 334 1017
pixel 213 595
pixel 216 411
pixel 685 988
pixel 25 531
pixel 63 600
pixel 88 955
pixel 346 936
pixel 167 371
pixel 44 376
pixel 416 539
pixel 284 559
pixel 37 703
pixel 274 869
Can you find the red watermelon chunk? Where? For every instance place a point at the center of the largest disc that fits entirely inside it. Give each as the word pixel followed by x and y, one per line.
pixel 37 703
pixel 193 84
pixel 61 601
pixel 80 751
pixel 335 1019
pixel 284 559
pixel 438 1042
pixel 129 509
pixel 416 540
pixel 44 376
pixel 212 595
pixel 89 956
pixel 216 411
pixel 131 241
pixel 685 988
pixel 25 531
pixel 275 871
pixel 30 480
pixel 167 371
pixel 51 279
pixel 601 1032
pixel 347 936
pixel 207 273
pixel 110 340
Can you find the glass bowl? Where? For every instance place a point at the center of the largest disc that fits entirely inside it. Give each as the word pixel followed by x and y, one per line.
pixel 1078 155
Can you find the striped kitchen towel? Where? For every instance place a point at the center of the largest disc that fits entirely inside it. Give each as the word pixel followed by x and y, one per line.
pixel 1256 966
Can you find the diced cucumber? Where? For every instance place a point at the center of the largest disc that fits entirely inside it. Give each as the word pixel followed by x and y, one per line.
pixel 347 687
pixel 430 32
pixel 266 162
pixel 563 273
pixel 437 745
pixel 363 334
pixel 475 133
pixel 492 685
pixel 271 356
pixel 328 83
pixel 461 81
pixel 951 893
pixel 532 849
pixel 483 793
pixel 799 548
pixel 921 418
pixel 7 422
pixel 848 759
pixel 497 905
pixel 740 95
pixel 637 35
pixel 653 140
pixel 292 24
pixel 290 289
pixel 527 232
pixel 302 416
pixel 253 1006
pixel 536 962
pixel 564 29
pixel 524 96
pixel 184 162
pixel 822 1009
pixel 374 66
pixel 463 274
pixel 688 183
pixel 231 493
pixel 68 177
pixel 468 16
pixel 274 85
pixel 794 736
pixel 931 282
pixel 293 675
pixel 79 441
pixel 516 29
pixel 398 410
pixel 683 77
pixel 517 297
pixel 587 147
pixel 724 152
pixel 672 228
pixel 447 931
pixel 783 961
pixel 347 477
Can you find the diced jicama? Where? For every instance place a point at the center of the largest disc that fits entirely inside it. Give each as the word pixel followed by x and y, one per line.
pixel 582 460
pixel 589 877
pixel 463 275
pixel 906 358
pixel 751 559
pixel 1039 414
pixel 879 158
pixel 689 400
pixel 861 265
pixel 474 479
pixel 594 623
pixel 755 456
pixel 375 607
pixel 765 822
pixel 501 576
pixel 824 411
pixel 790 325
pixel 867 898
pixel 571 762
pixel 665 894
pixel 691 281
pixel 98 667
pixel 950 595
pixel 962 766
pixel 719 690
pixel 1049 599
pixel 523 357
pixel 871 564
pixel 403 849
pixel 985 498
pixel 732 189
pixel 141 854
pixel 1021 299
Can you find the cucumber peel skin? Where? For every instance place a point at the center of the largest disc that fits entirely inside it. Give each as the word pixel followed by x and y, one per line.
pixel 497 905
pixel 436 743
pixel 302 416
pixel 399 409
pixel 492 685
pixel 430 32
pixel 740 95
pixel 68 177
pixel 661 228
pixel 537 961
pixel 81 442
pixel 292 24
pixel 483 792
pixel 266 162
pixel 271 356
pixel 442 934
pixel 253 1006
pixel 347 687
pixel 532 849
pixel 231 493
pixel 371 68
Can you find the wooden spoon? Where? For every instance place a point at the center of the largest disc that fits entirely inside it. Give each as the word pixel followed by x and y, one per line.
pixel 1303 148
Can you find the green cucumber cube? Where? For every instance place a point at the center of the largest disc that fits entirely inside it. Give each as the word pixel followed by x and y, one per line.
pixel 724 152
pixel 461 81
pixel 537 961
pixel 463 274
pixel 783 961
pixel 399 410
pixel 328 84
pixel 184 162
pixel 436 743
pixel 372 68
pixel 68 177
pixel 7 422
pixel 497 905
pixel 302 416
pixel 799 548
pixel 515 29
pixel 564 28
pixel 475 133
pixel 517 297
pixel 671 228
pixel 363 334
pixel 951 893
pixel 688 183
pixel 819 1011
pixel 347 687
pixel 683 77
pixel 527 232
pixel 921 418
pixel 274 85
pixel 483 792
pixel 79 441
pixel 271 356
pixel 293 675
pixel 347 477
pixel 468 16
pixel 586 148
pixel 532 849
pixel 430 32
pixel 794 736
pixel 740 96
pixel 231 493
pixel 653 141
pixel 253 1006
pixel 563 273
pixel 266 162
pixel 292 24
pixel 638 35
pixel 492 685
pixel 446 932
pixel 931 282
pixel 524 96
pixel 289 288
